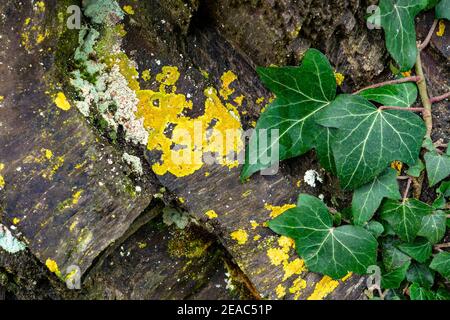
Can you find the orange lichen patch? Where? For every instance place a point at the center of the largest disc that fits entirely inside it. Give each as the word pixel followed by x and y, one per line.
pixel 240 236
pixel 211 214
pixel 53 267
pixel 128 9
pixel 397 166
pixel 440 32
pixel 61 101
pixel 275 211
pixel 184 141
pixel 227 79
pixel 280 290
pixel 277 256
pixel 323 288
pixel 339 78
pixel 297 287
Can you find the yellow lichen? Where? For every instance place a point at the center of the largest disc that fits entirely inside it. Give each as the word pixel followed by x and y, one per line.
pixel 254 224
pixel 128 9
pixel 441 29
pixel 239 100
pixel 48 154
pixel 211 214
pixel 339 78
pixel 257 237
pixel 280 291
pixel 146 75
pixel 260 100
pixel 53 267
pixel 246 193
pixel 2 180
pixel 142 245
pixel 182 200
pixel 275 211
pixel 61 101
pixel 323 288
pixel 346 277
pixel 297 287
pixel 277 256
pixel 182 150
pixel 76 197
pixel 298 183
pixel 73 225
pixel 286 243
pixel 16 221
pixel 294 267
pixel 227 79
pixel 240 236
pixel 397 166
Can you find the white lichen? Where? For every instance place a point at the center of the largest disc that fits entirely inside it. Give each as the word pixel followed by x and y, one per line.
pixel 311 177
pixel 8 242
pixel 134 162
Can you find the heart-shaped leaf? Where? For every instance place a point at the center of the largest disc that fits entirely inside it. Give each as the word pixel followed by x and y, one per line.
pixel 433 226
pixel 397 20
pixel 393 278
pixel 443 10
pixel 375 228
pixel 416 292
pixel 393 258
pixel 438 167
pixel 400 95
pixel 441 264
pixel 405 217
pixel 325 249
pixel 369 139
pixel 367 198
pixel 420 249
pixel 301 93
pixel 416 169
pixel 420 274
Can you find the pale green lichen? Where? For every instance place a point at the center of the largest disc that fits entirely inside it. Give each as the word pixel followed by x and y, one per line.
pixel 8 242
pixel 173 216
pixel 134 162
pixel 103 11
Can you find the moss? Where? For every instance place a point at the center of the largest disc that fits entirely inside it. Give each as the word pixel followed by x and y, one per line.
pixel 188 244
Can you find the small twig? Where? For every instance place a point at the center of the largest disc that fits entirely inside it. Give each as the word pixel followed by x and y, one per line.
pixel 440 98
pixel 425 43
pixel 408 185
pixel 402 108
pixel 423 91
pixel 442 246
pixel 385 83
pixel 403 177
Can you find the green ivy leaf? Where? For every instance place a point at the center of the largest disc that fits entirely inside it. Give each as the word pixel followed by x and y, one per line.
pixel 394 295
pixel 393 258
pixel 325 249
pixel 393 279
pixel 405 217
pixel 431 4
pixel 442 294
pixel 420 274
pixel 438 167
pixel 420 249
pixel 441 264
pixel 325 152
pixel 444 189
pixel 397 20
pixel 433 227
pixel 369 139
pixel 367 198
pixel 443 10
pixel 400 95
pixel 416 169
pixel 416 292
pixel 301 93
pixel 375 228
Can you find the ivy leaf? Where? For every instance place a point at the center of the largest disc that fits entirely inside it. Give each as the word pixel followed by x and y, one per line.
pixel 416 292
pixel 441 264
pixel 419 250
pixel 438 167
pixel 394 295
pixel 301 93
pixel 444 189
pixel 405 217
pixel 400 95
pixel 443 10
pixel 431 4
pixel 369 139
pixel 420 274
pixel 375 228
pixel 433 227
pixel 325 152
pixel 416 169
pixel 325 249
pixel 393 258
pixel 397 20
pixel 393 279
pixel 367 198
pixel 442 294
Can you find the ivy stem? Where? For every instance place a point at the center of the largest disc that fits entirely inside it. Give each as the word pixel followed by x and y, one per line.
pixel 442 245
pixel 385 83
pixel 440 98
pixel 425 43
pixel 408 185
pixel 402 177
pixel 423 91
pixel 402 108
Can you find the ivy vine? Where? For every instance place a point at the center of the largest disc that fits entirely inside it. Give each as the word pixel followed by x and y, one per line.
pixel 356 137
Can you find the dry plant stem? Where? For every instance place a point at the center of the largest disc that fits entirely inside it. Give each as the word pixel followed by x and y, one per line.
pixel 425 43
pixel 402 108
pixel 417 186
pixel 403 177
pixel 440 98
pixel 442 245
pixel 408 185
pixel 396 81
pixel 423 91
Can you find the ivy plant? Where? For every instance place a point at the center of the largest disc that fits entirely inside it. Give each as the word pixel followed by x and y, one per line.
pixel 356 137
